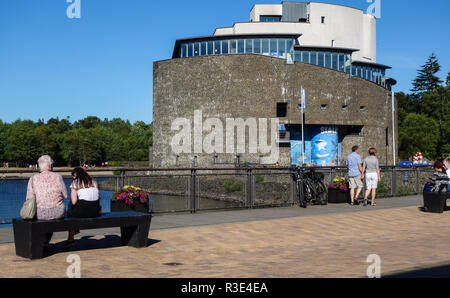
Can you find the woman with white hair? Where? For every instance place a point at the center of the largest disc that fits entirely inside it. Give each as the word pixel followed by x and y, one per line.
pixel 49 190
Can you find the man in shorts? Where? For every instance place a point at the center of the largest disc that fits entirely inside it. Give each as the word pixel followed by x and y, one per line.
pixel 355 174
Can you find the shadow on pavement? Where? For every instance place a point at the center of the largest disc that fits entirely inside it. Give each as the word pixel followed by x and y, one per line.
pixel 435 272
pixel 87 243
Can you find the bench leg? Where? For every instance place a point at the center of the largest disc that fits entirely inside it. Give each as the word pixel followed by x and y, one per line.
pixel 135 236
pixel 29 243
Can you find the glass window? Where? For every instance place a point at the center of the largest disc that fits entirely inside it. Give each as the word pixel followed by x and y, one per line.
pixel 270 19
pixel 233 46
pixel 320 59
pixel 241 46
pixel 265 47
pixel 257 46
pixel 348 64
pixel 334 61
pixel 190 50
pixel 341 62
pixel 203 49
pixel 328 59
pixel 196 49
pixel 249 46
pixel 210 48
pixel 297 56
pixel 273 48
pixel 313 58
pixel 225 47
pixel 305 56
pixel 282 48
pixel 217 50
pixel 183 51
pixel 354 71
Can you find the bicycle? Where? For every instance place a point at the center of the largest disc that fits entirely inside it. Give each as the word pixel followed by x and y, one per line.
pixel 310 187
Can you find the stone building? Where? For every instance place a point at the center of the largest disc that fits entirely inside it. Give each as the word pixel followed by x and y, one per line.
pixel 257 70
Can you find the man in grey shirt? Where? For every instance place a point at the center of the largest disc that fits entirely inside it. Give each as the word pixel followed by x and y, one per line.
pixel 372 172
pixel 355 174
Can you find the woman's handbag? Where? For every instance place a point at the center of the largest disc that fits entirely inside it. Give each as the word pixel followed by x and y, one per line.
pixel 28 211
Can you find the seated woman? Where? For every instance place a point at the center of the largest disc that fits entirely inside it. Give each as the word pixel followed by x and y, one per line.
pixel 50 191
pixel 84 197
pixel 440 179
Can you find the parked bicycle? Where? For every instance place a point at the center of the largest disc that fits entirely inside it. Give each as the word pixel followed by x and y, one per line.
pixel 310 186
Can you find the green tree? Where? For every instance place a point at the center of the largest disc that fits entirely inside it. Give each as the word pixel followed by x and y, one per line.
pixel 21 143
pixel 418 133
pixel 427 80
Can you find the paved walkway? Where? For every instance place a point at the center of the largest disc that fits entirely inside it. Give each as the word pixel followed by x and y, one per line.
pixel 332 241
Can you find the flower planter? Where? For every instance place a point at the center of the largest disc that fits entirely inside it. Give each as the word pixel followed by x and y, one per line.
pixel 435 202
pixel 137 206
pixel 336 196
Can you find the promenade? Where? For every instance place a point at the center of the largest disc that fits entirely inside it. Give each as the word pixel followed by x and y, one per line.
pixel 330 241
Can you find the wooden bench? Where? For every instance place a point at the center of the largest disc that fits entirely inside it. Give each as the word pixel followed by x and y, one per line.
pixel 30 236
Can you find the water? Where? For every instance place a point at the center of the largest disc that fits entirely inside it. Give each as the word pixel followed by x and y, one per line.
pixel 13 193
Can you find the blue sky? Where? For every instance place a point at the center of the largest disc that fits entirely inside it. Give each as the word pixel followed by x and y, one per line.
pixel 101 65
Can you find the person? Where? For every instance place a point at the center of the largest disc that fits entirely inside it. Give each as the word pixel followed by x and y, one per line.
pixel 355 174
pixel 439 182
pixel 84 196
pixel 372 172
pixel 447 166
pixel 50 191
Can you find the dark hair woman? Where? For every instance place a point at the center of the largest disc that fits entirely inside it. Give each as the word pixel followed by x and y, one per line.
pixel 84 197
pixel 440 180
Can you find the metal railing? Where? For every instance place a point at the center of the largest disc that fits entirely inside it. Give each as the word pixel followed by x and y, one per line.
pixel 206 189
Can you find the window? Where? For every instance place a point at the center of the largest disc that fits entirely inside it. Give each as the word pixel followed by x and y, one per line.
pixel 341 63
pixel 328 60
pixel 305 57
pixel 265 46
pixel 217 50
pixel 249 46
pixel 241 46
pixel 190 50
pixel 320 59
pixel 273 48
pixel 282 109
pixel 313 58
pixel 322 20
pixel 184 51
pixel 282 48
pixel 210 48
pixel 257 46
pixel 334 61
pixel 233 46
pixel 196 49
pixel 270 18
pixel 297 56
pixel 203 49
pixel 225 47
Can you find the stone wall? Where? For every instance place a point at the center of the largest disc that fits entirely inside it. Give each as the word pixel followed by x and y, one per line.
pixel 249 86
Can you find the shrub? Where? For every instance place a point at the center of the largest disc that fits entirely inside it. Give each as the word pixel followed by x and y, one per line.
pixel 233 185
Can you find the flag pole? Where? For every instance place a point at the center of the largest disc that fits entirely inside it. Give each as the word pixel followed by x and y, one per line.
pixel 393 128
pixel 303 125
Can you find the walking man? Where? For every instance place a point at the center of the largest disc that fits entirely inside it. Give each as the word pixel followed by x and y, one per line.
pixel 355 174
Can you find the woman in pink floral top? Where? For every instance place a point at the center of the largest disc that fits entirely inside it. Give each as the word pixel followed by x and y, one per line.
pixel 50 191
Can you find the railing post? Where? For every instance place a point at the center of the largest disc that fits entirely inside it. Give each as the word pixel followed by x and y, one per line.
pixel 249 191
pixel 394 182
pixel 122 178
pixel 417 181
pixel 193 190
pixel 294 189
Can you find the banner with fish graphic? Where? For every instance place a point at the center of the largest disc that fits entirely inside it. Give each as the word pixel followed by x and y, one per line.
pixel 325 146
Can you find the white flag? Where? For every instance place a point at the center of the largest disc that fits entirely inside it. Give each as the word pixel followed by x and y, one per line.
pixel 303 99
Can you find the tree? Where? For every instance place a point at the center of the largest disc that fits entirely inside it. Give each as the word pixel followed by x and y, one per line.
pixel 418 133
pixel 21 143
pixel 427 80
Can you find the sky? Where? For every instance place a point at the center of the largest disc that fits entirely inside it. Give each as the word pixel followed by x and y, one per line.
pixel 102 63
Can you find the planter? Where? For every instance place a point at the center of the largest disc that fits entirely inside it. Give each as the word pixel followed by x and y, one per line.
pixel 138 206
pixel 435 202
pixel 336 196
